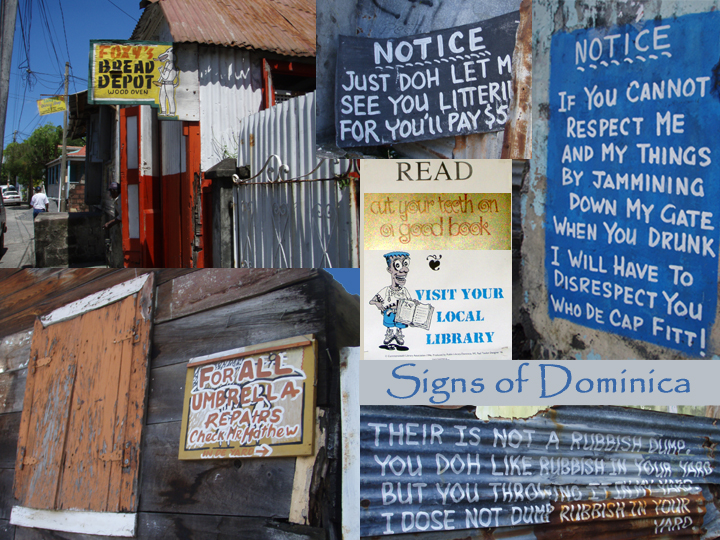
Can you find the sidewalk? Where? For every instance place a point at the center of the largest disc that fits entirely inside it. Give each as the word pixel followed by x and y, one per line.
pixel 20 238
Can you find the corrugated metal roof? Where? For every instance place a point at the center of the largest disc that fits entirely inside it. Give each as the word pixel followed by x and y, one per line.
pixel 568 472
pixel 285 27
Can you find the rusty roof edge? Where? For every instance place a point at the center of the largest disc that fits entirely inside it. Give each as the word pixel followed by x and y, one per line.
pixel 303 48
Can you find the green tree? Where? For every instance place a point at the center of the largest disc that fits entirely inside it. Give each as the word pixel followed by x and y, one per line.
pixel 27 159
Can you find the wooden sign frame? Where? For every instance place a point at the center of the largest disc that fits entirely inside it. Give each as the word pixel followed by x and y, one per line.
pixel 255 401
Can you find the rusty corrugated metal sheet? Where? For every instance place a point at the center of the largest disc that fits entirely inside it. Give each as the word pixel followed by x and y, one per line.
pixel 568 472
pixel 282 26
pixel 517 142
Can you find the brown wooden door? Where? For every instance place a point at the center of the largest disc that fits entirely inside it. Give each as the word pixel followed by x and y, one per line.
pixel 84 407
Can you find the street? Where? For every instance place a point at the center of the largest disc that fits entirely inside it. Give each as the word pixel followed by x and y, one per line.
pixel 19 249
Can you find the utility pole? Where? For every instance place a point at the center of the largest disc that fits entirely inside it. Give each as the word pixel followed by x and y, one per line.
pixel 63 164
pixel 9 12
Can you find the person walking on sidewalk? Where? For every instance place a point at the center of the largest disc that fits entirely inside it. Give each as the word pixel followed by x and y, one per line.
pixel 39 202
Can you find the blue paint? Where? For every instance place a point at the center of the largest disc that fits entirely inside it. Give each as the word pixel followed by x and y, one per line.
pixel 616 226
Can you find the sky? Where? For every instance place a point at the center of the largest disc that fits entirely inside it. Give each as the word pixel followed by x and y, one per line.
pixel 349 278
pixel 49 33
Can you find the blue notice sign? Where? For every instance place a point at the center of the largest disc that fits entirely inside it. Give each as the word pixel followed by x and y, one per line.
pixel 633 180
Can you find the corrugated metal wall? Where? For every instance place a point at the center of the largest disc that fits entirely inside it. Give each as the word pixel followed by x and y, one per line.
pixel 595 472
pixel 294 214
pixel 230 83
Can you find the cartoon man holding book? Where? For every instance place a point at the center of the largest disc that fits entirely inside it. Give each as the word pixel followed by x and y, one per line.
pixel 399 309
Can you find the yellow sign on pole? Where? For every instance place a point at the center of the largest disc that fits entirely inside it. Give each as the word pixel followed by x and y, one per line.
pixel 51 105
pixel 255 401
pixel 132 73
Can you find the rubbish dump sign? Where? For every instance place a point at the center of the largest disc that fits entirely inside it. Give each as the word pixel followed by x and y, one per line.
pixel 422 473
pixel 427 86
pixel 254 401
pixel 632 192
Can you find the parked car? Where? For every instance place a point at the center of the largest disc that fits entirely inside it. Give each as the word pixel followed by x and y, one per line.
pixel 3 225
pixel 11 197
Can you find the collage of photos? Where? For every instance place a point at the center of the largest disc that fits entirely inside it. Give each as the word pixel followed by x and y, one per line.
pixel 354 269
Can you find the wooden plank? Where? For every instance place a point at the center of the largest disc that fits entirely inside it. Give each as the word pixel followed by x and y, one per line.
pixel 74 521
pixel 34 292
pixel 286 312
pixel 164 275
pixel 350 424
pixel 7 501
pixel 343 330
pixel 86 472
pixel 12 391
pixel 15 351
pixel 167 388
pixel 43 426
pixel 7 531
pixel 9 430
pixel 96 300
pixel 193 527
pixel 250 350
pixel 343 316
pixel 212 288
pixel 254 487
pixel 116 420
pixel 14 357
pixel 303 481
pixel 101 465
pixel 131 434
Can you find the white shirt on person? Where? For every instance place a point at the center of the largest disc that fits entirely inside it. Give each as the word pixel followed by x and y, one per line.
pixel 39 201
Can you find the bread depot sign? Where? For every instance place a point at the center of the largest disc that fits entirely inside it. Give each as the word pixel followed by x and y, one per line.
pixel 128 73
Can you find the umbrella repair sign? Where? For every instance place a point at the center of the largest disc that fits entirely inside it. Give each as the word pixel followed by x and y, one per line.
pixel 255 401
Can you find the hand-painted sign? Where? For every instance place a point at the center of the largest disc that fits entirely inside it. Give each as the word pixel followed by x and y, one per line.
pixel 134 72
pixel 51 105
pixel 440 84
pixel 632 220
pixel 428 470
pixel 256 401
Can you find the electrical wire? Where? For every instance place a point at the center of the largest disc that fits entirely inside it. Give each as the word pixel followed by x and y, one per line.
pixel 125 12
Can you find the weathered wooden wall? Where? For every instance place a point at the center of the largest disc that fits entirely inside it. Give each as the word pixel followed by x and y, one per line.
pixel 199 313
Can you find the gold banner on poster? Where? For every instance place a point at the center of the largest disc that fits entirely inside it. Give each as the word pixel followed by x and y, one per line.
pixel 477 221
pixel 51 105
pixel 255 401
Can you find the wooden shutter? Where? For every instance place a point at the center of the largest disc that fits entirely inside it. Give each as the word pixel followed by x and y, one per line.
pixel 79 440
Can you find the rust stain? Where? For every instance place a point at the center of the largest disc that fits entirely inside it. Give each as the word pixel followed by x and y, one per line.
pixel 517 141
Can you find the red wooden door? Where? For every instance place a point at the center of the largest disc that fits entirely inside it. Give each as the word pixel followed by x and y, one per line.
pixel 130 184
pixel 181 182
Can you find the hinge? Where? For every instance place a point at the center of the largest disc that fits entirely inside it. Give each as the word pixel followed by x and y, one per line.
pixel 131 335
pixel 30 461
pixel 112 456
pixel 43 361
